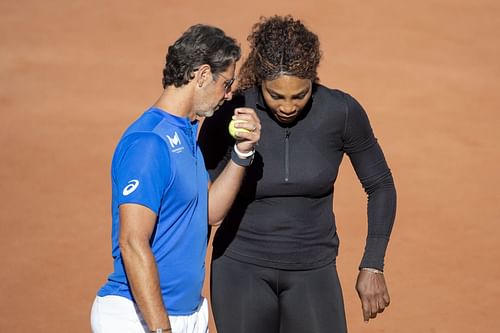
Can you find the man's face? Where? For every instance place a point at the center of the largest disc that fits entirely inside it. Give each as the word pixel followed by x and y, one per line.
pixel 216 92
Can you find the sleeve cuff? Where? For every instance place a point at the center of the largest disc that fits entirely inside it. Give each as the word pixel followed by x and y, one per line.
pixel 374 253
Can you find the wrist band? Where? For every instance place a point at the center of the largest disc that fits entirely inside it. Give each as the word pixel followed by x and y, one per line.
pixel 243 155
pixel 372 270
pixel 244 162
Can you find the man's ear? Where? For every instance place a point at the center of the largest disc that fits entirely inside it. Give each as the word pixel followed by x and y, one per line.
pixel 203 75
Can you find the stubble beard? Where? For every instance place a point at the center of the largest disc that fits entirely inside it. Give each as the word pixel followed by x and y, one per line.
pixel 205 112
pixel 206 109
pixel 209 111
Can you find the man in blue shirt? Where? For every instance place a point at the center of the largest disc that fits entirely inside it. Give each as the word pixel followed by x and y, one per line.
pixel 161 195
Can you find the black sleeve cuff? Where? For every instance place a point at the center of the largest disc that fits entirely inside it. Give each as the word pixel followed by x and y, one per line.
pixel 244 162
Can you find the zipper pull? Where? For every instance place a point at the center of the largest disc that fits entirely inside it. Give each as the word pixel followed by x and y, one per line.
pixel 287 152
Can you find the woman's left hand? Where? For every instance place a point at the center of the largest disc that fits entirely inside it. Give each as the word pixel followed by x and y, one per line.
pixel 373 293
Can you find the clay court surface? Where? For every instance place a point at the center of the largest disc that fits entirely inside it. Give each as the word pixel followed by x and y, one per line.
pixel 74 74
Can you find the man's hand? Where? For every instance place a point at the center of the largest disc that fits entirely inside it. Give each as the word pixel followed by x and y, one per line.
pixel 372 292
pixel 247 140
pixel 225 188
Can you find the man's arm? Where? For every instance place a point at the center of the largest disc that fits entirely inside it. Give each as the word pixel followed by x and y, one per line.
pixel 225 188
pixel 136 226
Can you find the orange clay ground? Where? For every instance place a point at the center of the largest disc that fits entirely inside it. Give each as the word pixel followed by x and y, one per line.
pixel 74 74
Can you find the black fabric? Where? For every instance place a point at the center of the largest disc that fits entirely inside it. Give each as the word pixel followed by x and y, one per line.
pixel 248 298
pixel 283 216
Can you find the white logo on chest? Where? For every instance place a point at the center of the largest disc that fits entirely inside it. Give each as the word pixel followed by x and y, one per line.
pixel 175 143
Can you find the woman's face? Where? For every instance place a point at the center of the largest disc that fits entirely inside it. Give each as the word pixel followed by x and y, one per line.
pixel 286 96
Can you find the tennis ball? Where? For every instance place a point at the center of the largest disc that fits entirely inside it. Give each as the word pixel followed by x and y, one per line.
pixel 232 129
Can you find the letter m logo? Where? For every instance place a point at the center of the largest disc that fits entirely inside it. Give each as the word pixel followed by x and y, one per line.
pixel 175 141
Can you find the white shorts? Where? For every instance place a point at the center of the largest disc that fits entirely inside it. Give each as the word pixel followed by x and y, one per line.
pixel 118 314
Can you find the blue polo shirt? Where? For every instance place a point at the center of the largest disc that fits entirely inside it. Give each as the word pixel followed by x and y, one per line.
pixel 158 164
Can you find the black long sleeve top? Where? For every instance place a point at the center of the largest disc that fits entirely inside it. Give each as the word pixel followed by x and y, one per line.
pixel 283 216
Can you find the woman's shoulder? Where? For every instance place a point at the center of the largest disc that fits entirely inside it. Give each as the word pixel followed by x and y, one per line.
pixel 329 98
pixel 326 95
pixel 327 92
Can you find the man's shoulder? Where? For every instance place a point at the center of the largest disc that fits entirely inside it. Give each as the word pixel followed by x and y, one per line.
pixel 146 123
pixel 142 135
pixel 141 145
pixel 153 125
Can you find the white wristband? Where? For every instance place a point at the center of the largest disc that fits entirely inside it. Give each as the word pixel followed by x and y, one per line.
pixel 243 155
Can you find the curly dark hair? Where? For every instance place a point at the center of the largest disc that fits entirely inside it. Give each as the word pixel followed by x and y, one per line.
pixel 200 44
pixel 280 45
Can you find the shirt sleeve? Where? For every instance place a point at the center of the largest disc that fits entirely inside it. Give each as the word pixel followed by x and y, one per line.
pixel 142 170
pixel 374 174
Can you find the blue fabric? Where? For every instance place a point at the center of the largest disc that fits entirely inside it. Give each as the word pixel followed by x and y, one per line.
pixel 158 164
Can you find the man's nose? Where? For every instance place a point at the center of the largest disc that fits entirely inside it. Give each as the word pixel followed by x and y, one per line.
pixel 228 95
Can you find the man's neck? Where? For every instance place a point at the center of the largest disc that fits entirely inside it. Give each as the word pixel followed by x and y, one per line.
pixel 177 101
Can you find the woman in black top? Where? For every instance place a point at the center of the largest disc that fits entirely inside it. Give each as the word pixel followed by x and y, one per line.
pixel 273 267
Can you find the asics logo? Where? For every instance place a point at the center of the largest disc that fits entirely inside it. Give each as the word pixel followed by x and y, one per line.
pixel 131 187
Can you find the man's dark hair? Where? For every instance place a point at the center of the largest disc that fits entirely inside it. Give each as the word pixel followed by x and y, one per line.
pixel 200 44
pixel 280 45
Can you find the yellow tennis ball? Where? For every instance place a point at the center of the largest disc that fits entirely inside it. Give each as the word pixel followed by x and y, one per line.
pixel 232 129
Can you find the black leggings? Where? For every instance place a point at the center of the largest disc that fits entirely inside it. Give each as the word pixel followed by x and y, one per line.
pixel 253 299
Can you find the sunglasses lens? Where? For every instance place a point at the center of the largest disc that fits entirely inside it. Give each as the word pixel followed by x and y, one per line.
pixel 228 84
